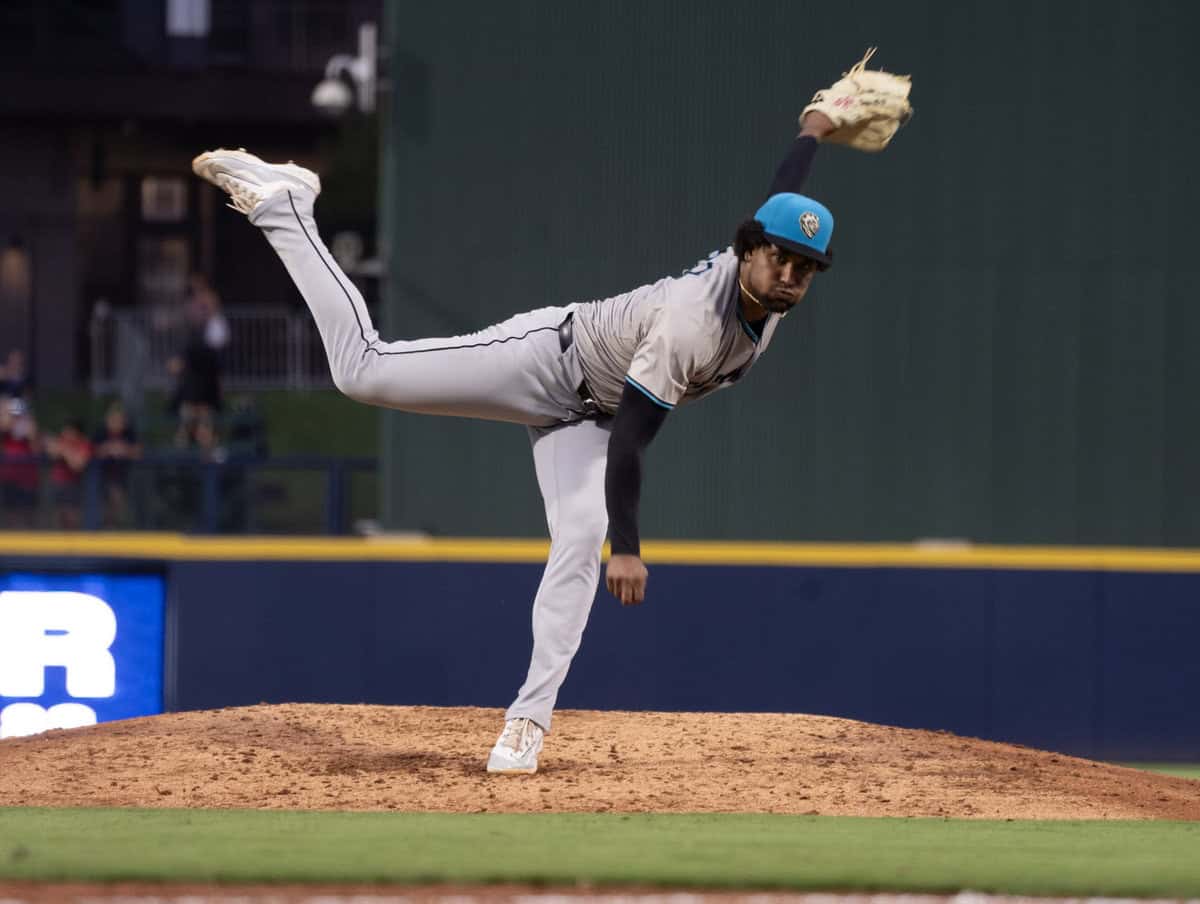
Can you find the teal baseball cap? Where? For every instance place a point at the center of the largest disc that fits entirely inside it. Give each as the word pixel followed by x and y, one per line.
pixel 798 223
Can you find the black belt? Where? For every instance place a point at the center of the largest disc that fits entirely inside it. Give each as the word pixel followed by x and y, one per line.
pixel 566 332
pixel 566 336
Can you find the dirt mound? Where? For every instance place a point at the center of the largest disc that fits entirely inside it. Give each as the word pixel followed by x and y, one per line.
pixel 309 756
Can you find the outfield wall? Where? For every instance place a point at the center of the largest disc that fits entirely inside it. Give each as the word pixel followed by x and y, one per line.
pixel 1005 349
pixel 1089 652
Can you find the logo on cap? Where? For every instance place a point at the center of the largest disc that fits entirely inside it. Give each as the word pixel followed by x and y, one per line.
pixel 810 223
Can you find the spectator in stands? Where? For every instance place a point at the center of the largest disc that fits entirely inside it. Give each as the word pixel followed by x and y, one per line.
pixel 14 381
pixel 116 445
pixel 70 452
pixel 181 489
pixel 197 368
pixel 18 469
pixel 207 304
pixel 197 435
pixel 205 440
pixel 247 430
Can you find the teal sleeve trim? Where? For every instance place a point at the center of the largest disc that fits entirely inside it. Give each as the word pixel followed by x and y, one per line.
pixel 749 330
pixel 648 394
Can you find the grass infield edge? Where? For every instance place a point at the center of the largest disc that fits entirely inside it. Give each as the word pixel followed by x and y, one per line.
pixel 718 851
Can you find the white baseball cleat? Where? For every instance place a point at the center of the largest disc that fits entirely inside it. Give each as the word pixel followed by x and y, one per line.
pixel 517 750
pixel 249 181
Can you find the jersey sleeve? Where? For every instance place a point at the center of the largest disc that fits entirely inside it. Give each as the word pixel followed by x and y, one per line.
pixel 794 169
pixel 665 361
pixel 637 422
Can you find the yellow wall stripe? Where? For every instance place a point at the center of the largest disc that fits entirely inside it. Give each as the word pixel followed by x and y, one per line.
pixel 177 547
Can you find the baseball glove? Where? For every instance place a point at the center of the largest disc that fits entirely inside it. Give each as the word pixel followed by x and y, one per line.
pixel 866 106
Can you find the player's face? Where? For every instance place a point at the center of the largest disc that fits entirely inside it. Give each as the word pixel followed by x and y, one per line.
pixel 778 278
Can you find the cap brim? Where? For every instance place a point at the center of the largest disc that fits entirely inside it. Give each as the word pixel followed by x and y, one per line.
pixel 806 250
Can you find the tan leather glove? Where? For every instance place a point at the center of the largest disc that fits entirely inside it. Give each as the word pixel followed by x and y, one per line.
pixel 867 106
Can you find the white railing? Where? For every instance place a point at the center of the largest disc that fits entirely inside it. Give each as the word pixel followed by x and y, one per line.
pixel 268 348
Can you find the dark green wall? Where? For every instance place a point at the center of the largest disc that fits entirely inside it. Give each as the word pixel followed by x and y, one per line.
pixel 1006 349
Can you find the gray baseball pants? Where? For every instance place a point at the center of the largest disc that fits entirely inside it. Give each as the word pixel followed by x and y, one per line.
pixel 514 371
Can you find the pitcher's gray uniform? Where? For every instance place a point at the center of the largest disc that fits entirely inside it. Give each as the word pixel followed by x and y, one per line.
pixel 679 339
pixel 564 373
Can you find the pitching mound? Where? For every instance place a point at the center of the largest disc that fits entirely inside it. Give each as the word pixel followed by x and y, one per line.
pixel 308 756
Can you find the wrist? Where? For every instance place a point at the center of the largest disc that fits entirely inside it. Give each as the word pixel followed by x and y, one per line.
pixel 816 124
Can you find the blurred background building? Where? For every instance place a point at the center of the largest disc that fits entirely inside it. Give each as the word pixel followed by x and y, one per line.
pixel 125 281
pixel 104 104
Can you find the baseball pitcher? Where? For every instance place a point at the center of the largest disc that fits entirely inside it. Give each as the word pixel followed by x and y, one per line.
pixel 592 382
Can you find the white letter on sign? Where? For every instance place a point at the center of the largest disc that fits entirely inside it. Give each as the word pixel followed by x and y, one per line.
pixel 20 719
pixel 73 630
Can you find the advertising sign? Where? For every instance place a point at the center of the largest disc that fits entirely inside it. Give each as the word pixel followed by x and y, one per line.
pixel 76 649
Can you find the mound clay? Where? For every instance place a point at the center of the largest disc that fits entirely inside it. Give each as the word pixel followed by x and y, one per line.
pixel 308 756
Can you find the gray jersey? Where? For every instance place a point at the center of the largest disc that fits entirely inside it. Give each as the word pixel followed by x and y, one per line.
pixel 676 340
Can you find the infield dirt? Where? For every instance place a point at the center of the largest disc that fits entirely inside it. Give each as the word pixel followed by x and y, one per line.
pixel 342 757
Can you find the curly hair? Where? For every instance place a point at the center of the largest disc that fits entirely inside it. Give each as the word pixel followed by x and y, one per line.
pixel 751 235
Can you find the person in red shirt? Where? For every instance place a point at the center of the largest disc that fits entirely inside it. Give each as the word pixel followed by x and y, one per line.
pixel 70 452
pixel 115 446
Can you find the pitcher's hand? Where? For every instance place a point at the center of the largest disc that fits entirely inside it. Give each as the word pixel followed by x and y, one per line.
pixel 626 579
pixel 816 124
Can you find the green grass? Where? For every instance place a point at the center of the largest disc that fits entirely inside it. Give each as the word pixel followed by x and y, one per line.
pixel 1182 770
pixel 1137 859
